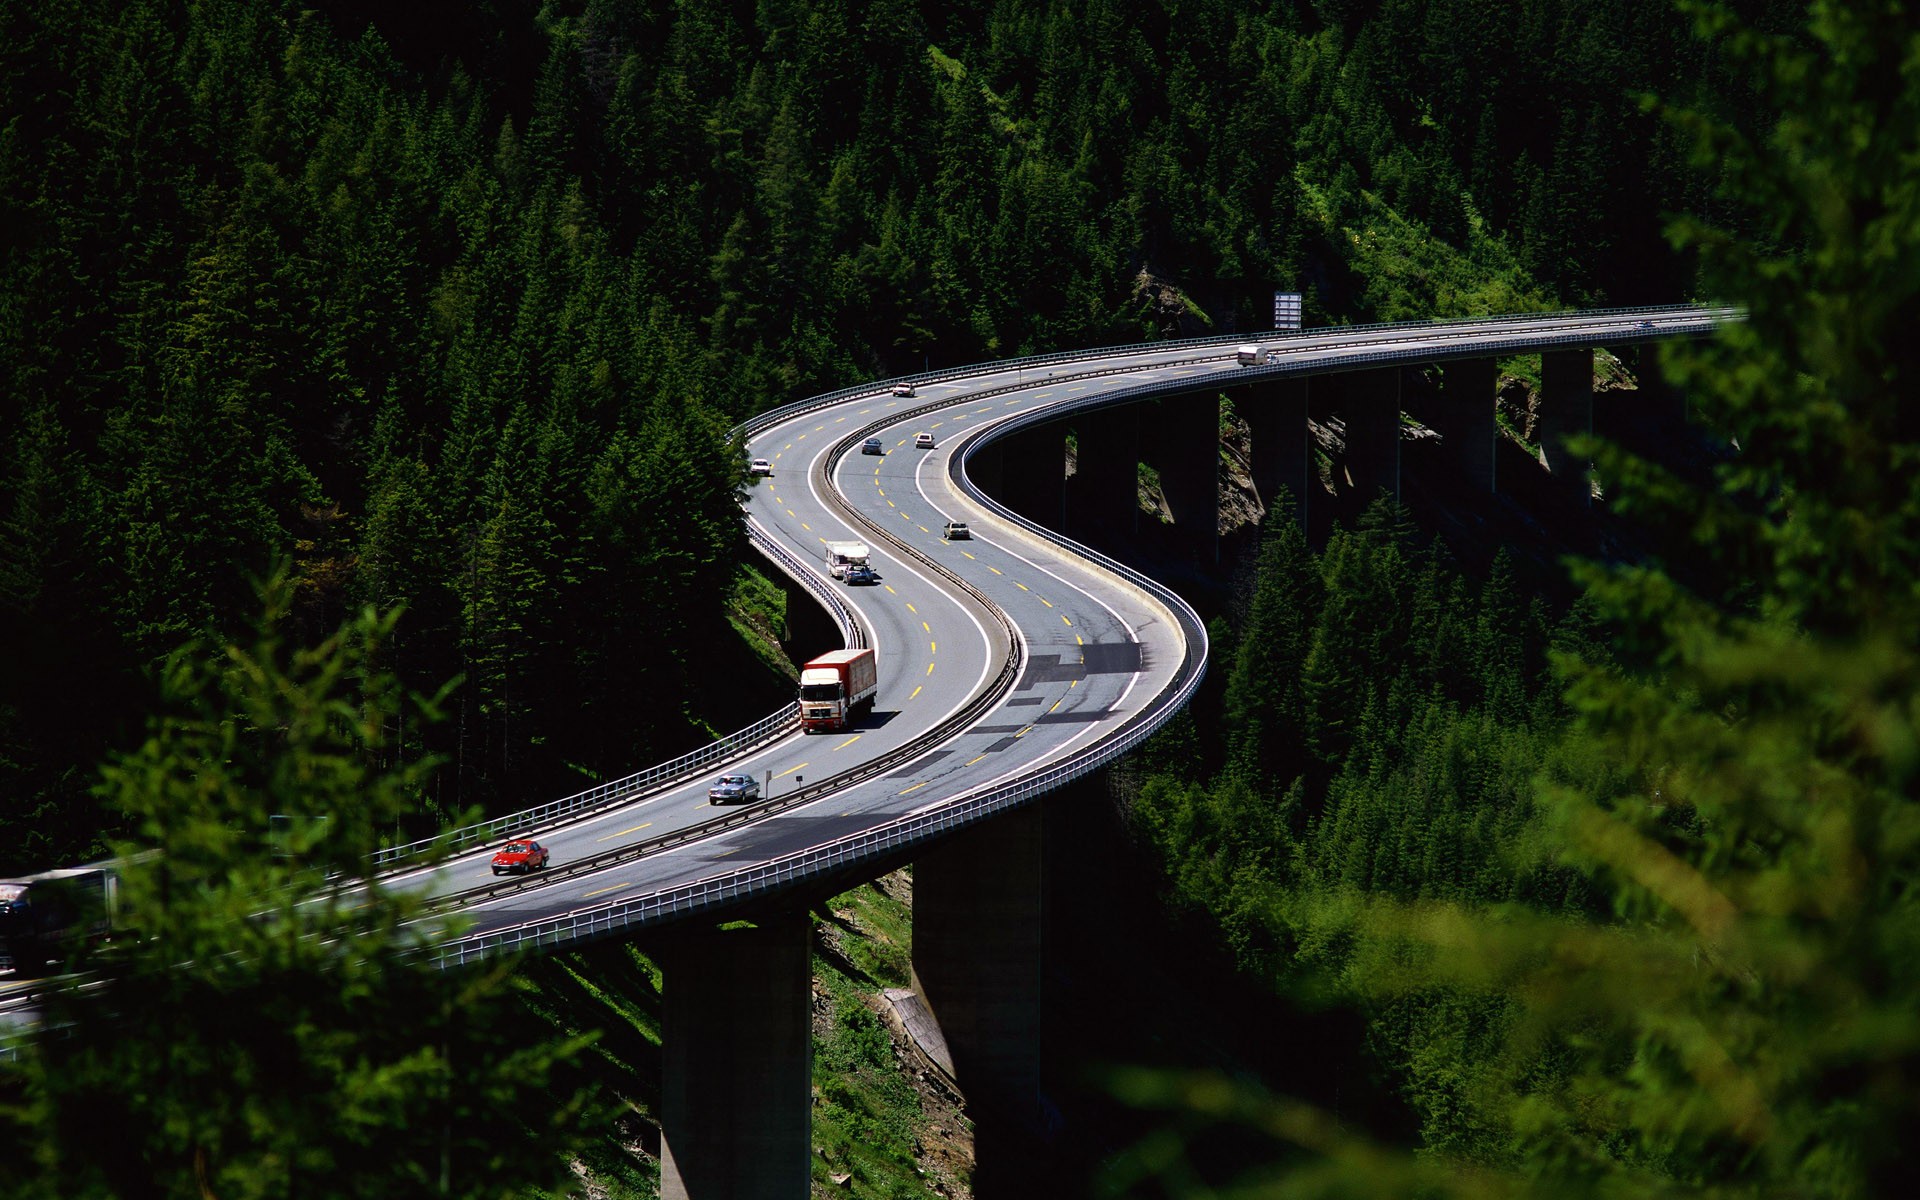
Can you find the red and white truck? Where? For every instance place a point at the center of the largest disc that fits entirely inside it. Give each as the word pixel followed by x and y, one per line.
pixel 836 685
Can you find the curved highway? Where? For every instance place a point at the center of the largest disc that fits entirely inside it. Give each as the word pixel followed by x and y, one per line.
pixel 1008 663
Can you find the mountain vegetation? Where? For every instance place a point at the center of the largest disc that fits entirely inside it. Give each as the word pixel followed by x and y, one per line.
pixel 1640 923
pixel 449 308
pixel 453 305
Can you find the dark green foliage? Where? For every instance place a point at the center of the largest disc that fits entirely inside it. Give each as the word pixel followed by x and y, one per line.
pixel 266 1025
pixel 1666 947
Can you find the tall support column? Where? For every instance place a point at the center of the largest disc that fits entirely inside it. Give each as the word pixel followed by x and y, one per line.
pixel 977 937
pixel 1370 408
pixel 1566 408
pixel 1103 497
pixel 1180 438
pixel 987 468
pixel 809 630
pixel 1464 418
pixel 1034 477
pixel 1276 416
pixel 737 1104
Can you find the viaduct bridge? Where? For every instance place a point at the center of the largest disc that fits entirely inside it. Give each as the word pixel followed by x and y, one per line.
pixel 1010 665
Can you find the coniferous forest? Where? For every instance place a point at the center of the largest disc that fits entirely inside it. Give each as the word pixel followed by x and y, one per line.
pixel 340 308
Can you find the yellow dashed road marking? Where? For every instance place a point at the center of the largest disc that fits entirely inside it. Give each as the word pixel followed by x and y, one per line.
pixel 995 570
pixel 916 787
pixel 916 692
pixel 850 741
pixel 929 668
pixel 791 770
pixel 972 761
pixel 623 832
pixel 602 891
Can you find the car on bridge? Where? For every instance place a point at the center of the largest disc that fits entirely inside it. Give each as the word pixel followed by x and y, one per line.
pixel 861 573
pixel 923 441
pixel 956 531
pixel 903 390
pixel 872 446
pixel 760 466
pixel 733 789
pixel 525 856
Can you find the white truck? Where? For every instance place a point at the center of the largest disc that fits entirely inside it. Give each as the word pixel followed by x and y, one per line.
pixel 841 555
pixel 1247 356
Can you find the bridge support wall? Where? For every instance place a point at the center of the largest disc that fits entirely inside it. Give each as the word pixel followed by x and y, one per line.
pixel 1370 409
pixel 1033 475
pixel 1464 418
pixel 1180 439
pixel 1566 408
pixel 977 939
pixel 1103 495
pixel 737 1104
pixel 1276 417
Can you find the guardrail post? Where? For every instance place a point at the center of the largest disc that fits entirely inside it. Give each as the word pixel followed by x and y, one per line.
pixel 1566 408
pixel 977 935
pixel 1103 496
pixel 736 1097
pixel 1180 439
pixel 1276 417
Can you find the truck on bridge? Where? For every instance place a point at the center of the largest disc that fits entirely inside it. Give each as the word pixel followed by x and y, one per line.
pixel 836 685
pixel 45 917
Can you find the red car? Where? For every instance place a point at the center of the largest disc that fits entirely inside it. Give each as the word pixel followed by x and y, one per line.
pixel 520 856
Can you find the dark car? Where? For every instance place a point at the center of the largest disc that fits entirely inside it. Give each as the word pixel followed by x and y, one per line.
pixel 520 856
pixel 733 789
pixel 861 573
pixel 871 446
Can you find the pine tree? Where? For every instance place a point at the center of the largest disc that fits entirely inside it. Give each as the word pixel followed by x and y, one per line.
pixel 270 1025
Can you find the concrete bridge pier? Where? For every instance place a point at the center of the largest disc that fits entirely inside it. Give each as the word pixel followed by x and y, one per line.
pixel 977 939
pixel 1566 408
pixel 1276 417
pixel 1370 409
pixel 1033 476
pixel 1180 439
pixel 809 630
pixel 1103 497
pixel 1464 418
pixel 736 1107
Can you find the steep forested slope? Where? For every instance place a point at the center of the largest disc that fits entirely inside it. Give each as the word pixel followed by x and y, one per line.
pixel 449 303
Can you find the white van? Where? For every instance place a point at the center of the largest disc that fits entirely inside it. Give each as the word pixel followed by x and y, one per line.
pixel 1247 356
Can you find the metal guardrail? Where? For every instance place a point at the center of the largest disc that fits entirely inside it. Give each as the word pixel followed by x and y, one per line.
pixel 594 799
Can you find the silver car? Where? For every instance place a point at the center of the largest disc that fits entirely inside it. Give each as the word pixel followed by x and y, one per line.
pixel 733 789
